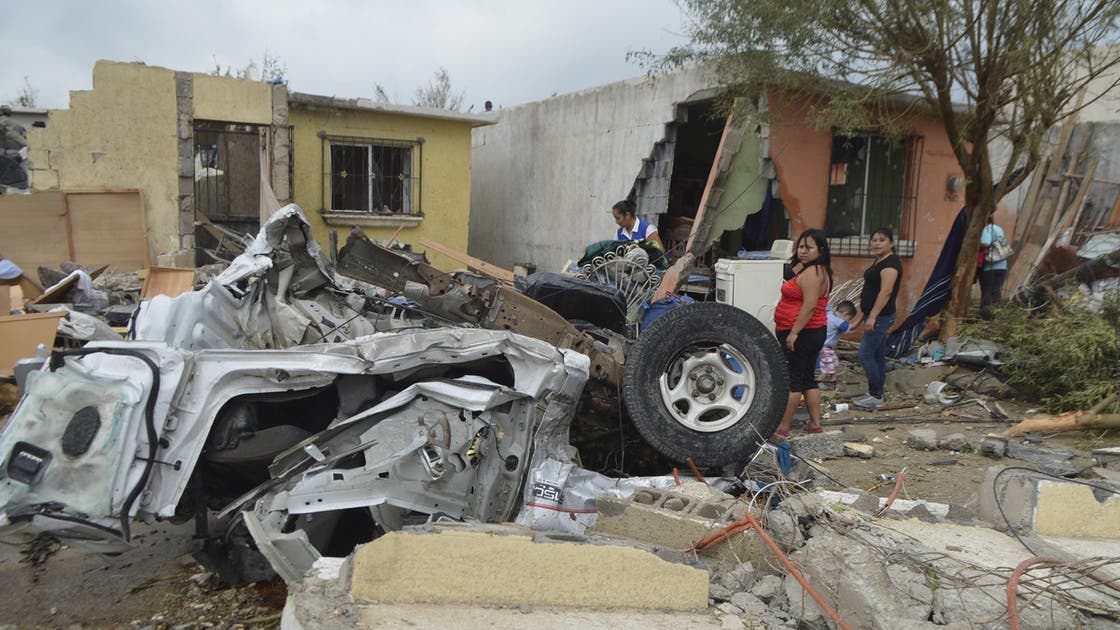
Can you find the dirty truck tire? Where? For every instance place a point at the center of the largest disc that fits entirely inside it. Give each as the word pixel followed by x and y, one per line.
pixel 706 381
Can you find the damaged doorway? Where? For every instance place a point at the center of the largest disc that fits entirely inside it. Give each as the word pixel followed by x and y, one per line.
pixel 227 183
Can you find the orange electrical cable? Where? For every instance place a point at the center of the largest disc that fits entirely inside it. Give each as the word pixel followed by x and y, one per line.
pixel 1013 585
pixel 894 493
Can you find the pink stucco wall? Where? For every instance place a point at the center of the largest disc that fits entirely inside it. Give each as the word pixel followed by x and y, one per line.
pixel 802 154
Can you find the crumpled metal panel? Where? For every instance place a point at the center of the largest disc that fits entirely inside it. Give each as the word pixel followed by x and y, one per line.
pixel 195 385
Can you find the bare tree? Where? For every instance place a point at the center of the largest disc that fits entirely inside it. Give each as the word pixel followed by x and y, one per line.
pixel 984 67
pixel 438 93
pixel 27 96
pixel 380 94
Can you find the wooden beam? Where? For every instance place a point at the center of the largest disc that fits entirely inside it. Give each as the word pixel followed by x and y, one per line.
pixel 1082 194
pixel 1114 217
pixel 470 261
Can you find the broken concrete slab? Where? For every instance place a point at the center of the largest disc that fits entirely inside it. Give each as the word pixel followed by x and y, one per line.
pixel 852 577
pixel 899 507
pixel 953 442
pixel 1031 503
pixel 922 439
pixel 508 569
pixel 1054 461
pixel 1074 511
pixel 862 451
pixel 817 445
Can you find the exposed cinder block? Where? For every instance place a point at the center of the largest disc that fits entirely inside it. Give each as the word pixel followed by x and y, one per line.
pixel 676 518
pixel 485 568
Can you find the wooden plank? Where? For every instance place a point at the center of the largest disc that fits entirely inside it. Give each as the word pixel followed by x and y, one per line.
pixel 1114 217
pixel 474 263
pixel 167 281
pixel 109 229
pixel 1079 200
pixel 32 231
pixel 55 292
pixel 21 334
pixel 1025 216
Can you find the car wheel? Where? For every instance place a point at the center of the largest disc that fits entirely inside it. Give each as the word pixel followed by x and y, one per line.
pixel 706 381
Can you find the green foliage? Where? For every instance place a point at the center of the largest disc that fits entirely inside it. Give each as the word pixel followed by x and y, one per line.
pixel 1069 359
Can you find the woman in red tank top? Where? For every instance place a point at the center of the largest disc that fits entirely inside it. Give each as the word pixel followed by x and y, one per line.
pixel 800 323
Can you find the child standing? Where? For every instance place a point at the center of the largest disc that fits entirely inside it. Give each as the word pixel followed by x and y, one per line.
pixel 839 322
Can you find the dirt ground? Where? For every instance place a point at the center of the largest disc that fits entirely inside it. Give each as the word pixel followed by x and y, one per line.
pixel 156 585
pixel 159 585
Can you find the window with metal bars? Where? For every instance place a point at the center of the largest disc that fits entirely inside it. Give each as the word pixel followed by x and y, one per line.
pixel 371 176
pixel 872 183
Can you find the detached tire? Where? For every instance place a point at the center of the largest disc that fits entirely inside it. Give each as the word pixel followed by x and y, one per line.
pixel 706 381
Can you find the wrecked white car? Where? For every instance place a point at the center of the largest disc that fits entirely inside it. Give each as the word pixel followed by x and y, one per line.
pixel 319 416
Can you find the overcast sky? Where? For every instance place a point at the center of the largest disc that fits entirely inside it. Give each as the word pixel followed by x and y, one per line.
pixel 507 51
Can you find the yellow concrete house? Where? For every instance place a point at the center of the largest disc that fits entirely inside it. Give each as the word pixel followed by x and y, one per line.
pixel 207 151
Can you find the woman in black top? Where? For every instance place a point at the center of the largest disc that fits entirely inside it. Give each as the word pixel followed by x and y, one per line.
pixel 876 304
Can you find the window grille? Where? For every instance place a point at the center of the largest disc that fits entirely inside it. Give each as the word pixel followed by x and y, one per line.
pixel 376 176
pixel 873 183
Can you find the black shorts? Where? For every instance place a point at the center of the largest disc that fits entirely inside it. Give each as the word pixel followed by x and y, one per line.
pixel 802 360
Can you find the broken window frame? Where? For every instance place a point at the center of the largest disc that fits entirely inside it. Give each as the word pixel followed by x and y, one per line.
pixel 901 190
pixel 405 202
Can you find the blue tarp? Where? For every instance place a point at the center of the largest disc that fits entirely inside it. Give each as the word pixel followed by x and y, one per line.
pixel 934 296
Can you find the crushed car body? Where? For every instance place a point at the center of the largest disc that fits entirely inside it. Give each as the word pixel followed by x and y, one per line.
pixel 315 412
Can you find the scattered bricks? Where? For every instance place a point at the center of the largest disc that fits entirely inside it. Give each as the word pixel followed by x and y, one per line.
pixel 862 451
pixel 953 442
pixel 922 439
pixel 676 520
pixel 994 444
pixel 944 461
pixel 848 434
pixel 767 588
pixel 817 445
